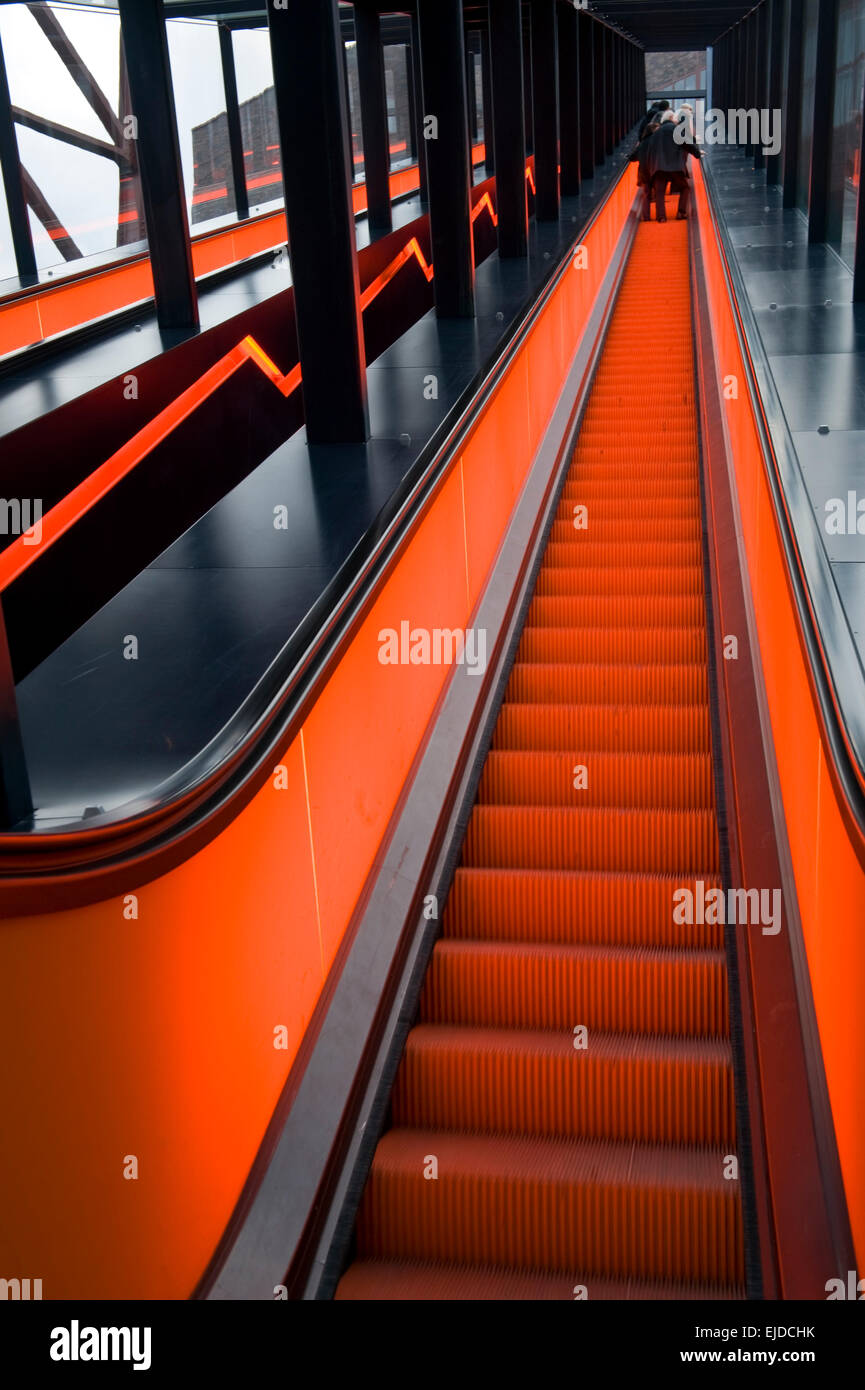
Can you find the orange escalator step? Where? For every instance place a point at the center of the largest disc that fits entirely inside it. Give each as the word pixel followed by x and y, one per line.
pixel 648 1089
pixel 576 908
pixel 565 683
pixel 671 781
pixel 605 729
pixel 615 1210
pixel 410 1281
pixel 682 993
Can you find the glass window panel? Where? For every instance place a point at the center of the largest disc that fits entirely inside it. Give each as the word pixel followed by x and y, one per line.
pixel 354 110
pixel 847 132
pixel 258 123
pixel 82 203
pixel 396 77
pixel 199 100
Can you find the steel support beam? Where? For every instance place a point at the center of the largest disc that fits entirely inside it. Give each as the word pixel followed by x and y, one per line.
pixel 373 116
pixel 761 93
pixel 506 57
pixel 569 100
pixel 489 141
pixel 232 114
pixel 545 108
pixel 774 162
pixel 449 171
pixel 859 254
pixel 600 90
pixel 16 203
pixel 417 85
pixel 610 141
pixel 588 109
pixel 820 190
pixel 791 148
pixel 312 111
pixel 146 46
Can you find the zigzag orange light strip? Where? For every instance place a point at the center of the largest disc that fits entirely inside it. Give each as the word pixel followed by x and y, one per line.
pixel 485 202
pixel 61 517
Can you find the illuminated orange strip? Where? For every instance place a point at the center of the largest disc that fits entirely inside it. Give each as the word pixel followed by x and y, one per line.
pixel 76 503
pixel 485 202
pixel 531 179
pixel 411 248
pixel 61 517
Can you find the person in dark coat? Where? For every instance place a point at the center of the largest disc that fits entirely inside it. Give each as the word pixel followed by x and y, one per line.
pixel 652 116
pixel 667 163
pixel 644 177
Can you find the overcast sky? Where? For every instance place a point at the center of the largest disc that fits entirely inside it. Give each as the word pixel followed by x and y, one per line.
pixel 81 187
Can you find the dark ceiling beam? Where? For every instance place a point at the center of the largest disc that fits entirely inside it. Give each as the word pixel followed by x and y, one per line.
pixel 670 25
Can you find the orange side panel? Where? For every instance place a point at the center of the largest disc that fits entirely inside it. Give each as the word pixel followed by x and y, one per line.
pixel 364 731
pixel 152 1036
pixel 830 883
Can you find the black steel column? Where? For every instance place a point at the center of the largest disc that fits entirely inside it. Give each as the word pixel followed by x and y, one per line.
pixel 528 114
pixel 762 89
pixel 609 78
pixel 740 95
pixel 824 116
pixel 417 85
pixel 569 100
pixel 545 107
pixel 600 88
pixel 619 87
pixel 232 113
pixel 146 47
pixel 719 77
pixel 312 110
pixel 486 74
pixel 859 254
pixel 750 75
pixel 790 149
pixel 506 56
pixel 630 78
pixel 19 221
pixel 587 95
pixel 448 155
pixel 373 116
pixel 776 82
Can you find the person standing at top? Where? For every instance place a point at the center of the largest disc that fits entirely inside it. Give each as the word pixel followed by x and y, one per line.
pixel 667 163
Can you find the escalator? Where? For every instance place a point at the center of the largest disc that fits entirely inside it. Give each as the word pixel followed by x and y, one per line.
pixel 563 1117
pixel 465 1041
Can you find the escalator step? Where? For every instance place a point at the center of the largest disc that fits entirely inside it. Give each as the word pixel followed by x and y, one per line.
pixel 547 779
pixel 676 993
pixel 618 1210
pixel 648 1089
pixel 563 1113
pixel 386 1280
pixel 572 908
pixel 561 683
